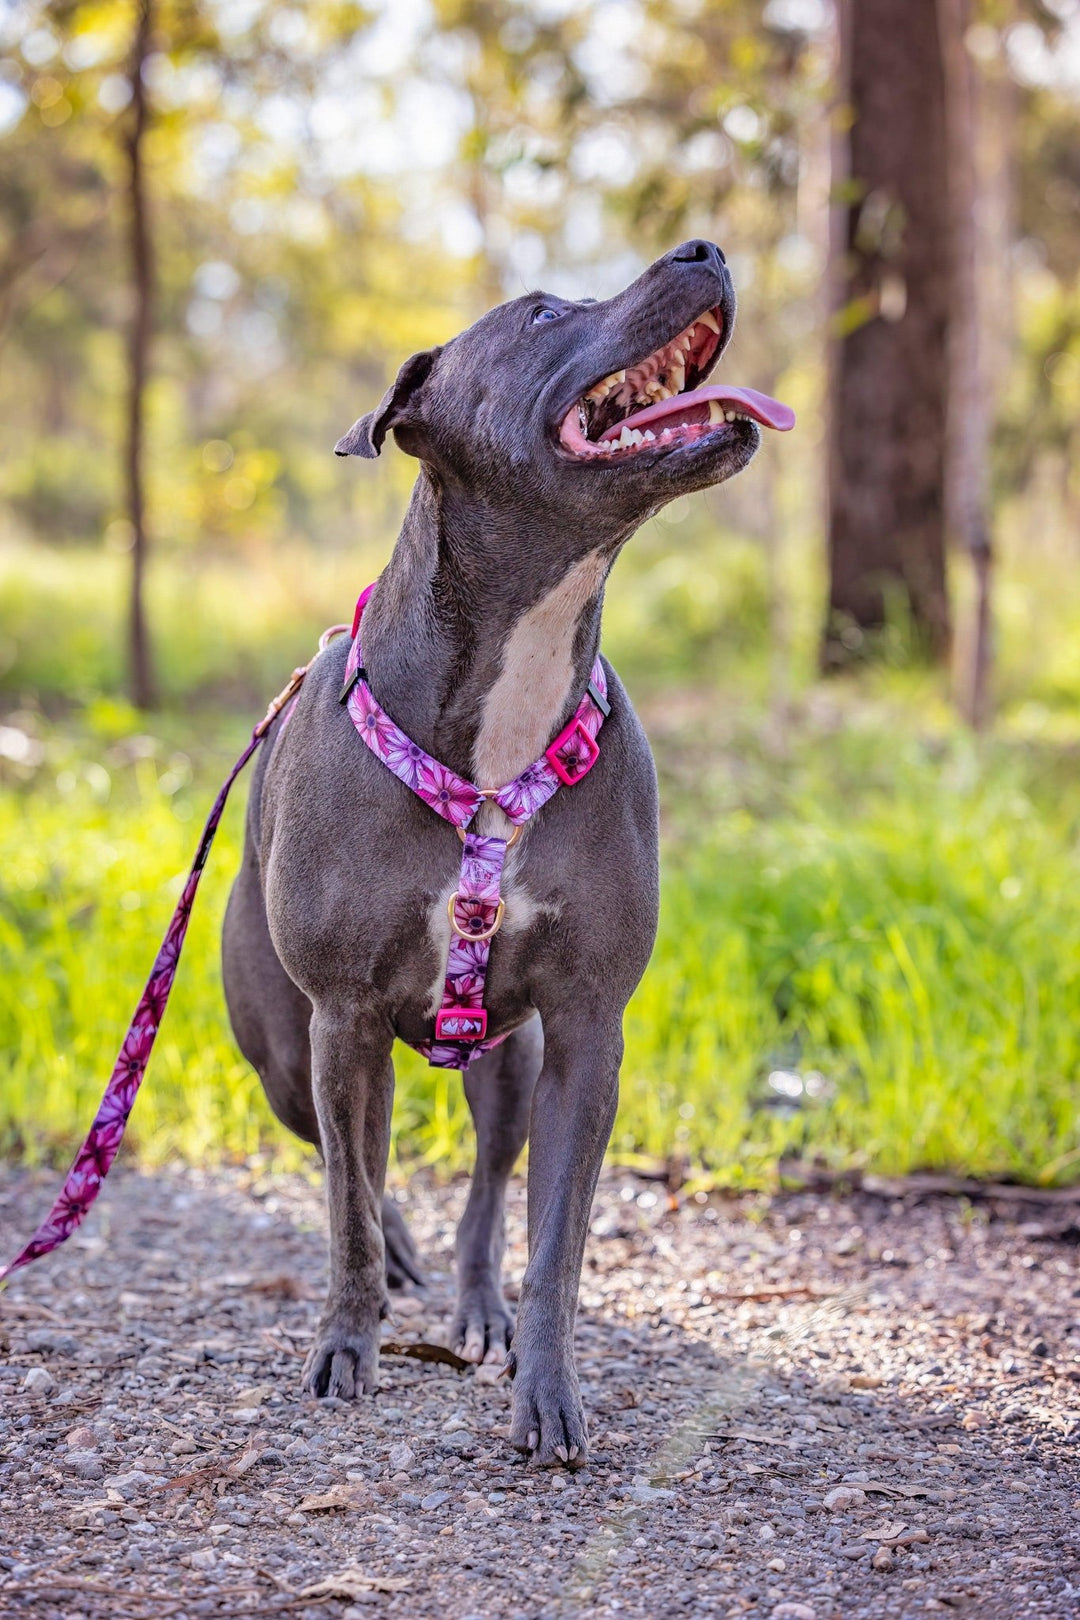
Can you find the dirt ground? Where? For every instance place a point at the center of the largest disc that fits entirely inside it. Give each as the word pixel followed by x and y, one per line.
pixel 900 1438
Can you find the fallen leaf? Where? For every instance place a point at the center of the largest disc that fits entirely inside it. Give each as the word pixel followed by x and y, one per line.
pixel 247 1461
pixel 339 1496
pixel 896 1490
pixel 757 1436
pixel 887 1530
pixel 908 1538
pixel 352 1582
pixel 421 1350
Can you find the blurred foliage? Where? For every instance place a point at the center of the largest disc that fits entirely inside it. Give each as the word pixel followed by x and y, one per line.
pixel 866 952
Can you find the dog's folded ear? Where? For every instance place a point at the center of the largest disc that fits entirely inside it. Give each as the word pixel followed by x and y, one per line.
pixel 399 407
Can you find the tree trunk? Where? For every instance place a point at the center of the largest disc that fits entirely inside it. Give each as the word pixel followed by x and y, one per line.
pixel 142 287
pixel 968 422
pixel 890 266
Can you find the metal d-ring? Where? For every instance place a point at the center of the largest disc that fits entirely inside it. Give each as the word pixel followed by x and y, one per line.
pixel 328 635
pixel 477 939
pixel 514 836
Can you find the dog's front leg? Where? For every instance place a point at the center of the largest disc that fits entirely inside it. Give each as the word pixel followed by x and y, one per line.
pixel 353 1086
pixel 572 1114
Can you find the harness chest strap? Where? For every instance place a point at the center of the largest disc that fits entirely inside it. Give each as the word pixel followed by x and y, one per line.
pixel 476 908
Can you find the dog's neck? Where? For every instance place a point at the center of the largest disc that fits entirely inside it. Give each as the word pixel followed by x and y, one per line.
pixel 482 633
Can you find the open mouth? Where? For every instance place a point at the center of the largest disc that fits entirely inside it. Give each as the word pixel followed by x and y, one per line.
pixel 661 404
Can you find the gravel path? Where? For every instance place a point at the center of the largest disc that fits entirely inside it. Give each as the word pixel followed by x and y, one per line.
pixel 902 1438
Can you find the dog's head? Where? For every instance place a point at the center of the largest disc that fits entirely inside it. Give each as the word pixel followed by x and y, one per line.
pixel 596 410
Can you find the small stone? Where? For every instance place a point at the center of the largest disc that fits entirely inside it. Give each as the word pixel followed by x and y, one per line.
pixel 842 1498
pixel 434 1500
pixel 645 1494
pixel 204 1558
pixel 39 1381
pixel 794 1611
pixel 766 1533
pixel 883 1560
pixel 81 1439
pixel 401 1457
pixel 777 1564
pixel 85 1465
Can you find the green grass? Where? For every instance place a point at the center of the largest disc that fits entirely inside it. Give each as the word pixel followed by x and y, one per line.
pixel 893 911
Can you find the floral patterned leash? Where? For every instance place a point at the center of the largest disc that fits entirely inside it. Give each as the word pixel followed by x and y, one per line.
pixel 475 909
pixel 94 1159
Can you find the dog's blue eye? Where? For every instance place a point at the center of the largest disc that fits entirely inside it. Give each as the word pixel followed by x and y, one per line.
pixel 546 315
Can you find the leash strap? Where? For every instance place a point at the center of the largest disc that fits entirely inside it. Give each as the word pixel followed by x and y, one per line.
pixel 476 908
pixel 93 1160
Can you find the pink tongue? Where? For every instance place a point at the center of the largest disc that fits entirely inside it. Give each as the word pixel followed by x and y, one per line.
pixel 769 412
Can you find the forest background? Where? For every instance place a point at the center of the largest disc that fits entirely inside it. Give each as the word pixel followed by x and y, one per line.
pixel 222 228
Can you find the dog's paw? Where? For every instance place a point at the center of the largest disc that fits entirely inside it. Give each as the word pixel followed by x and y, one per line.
pixel 548 1419
pixel 343 1361
pixel 482 1327
pixel 402 1261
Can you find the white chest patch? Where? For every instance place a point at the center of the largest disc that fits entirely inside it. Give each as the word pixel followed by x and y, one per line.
pixel 527 699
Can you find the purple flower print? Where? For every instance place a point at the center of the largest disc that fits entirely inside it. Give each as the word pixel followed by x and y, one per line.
pixel 474 915
pixel 529 792
pixel 376 728
pixel 449 795
pixel 406 759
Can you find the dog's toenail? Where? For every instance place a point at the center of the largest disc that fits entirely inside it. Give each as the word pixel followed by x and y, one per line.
pixel 562 1454
pixel 533 1440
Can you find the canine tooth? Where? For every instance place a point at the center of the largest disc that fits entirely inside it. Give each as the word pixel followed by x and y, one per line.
pixel 716 411
pixel 676 377
pixel 710 320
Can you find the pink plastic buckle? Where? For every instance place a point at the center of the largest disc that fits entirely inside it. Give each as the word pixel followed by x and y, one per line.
pixel 584 753
pixel 461 1024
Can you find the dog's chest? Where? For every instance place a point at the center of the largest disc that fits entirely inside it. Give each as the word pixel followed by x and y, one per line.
pixel 523 911
pixel 522 710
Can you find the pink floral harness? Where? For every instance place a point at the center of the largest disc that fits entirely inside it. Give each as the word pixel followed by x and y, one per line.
pixel 476 907
pixel 475 910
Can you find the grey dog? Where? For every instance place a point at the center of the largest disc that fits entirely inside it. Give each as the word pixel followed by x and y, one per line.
pixel 478 641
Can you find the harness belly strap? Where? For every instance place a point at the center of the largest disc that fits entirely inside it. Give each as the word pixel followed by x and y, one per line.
pixel 476 907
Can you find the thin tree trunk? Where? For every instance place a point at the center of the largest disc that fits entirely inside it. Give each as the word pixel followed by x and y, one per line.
pixel 966 489
pixel 891 296
pixel 142 286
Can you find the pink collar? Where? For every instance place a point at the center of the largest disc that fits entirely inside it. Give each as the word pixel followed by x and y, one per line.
pixel 476 908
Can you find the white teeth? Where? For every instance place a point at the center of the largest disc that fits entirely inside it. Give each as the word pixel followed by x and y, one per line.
pixel 729 416
pixel 716 411
pixel 650 435
pixel 602 389
pixel 710 320
pixel 677 377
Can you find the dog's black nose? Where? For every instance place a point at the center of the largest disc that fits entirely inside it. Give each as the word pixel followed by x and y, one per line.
pixel 699 252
